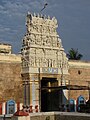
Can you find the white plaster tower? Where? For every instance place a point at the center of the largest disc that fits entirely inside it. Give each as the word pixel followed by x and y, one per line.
pixel 43 58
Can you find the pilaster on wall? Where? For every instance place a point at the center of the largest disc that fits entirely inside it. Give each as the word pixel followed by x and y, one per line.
pixel 3 108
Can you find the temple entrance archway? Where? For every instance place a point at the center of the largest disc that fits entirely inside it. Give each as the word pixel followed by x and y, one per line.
pixel 49 96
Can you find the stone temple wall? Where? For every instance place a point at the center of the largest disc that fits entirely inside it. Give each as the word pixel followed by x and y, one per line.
pixel 11 83
pixel 79 74
pixel 10 78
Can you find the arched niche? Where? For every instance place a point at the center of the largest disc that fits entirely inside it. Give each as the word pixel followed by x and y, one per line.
pixel 10 107
pixel 80 102
pixel 72 105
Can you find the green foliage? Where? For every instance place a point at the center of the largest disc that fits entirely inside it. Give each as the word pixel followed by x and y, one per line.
pixel 73 54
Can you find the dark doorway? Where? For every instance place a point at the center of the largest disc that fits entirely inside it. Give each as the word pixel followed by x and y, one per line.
pixel 49 95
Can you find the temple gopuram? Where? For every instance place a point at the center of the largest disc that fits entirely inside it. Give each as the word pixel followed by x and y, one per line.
pixel 44 63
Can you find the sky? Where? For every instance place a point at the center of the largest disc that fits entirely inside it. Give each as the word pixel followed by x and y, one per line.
pixel 73 18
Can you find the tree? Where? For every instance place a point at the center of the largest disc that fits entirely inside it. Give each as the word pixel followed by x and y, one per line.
pixel 73 54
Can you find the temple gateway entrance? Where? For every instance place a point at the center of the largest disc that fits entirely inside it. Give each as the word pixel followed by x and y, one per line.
pixel 49 95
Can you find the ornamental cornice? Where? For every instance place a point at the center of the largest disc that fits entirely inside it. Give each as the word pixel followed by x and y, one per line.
pixel 43 34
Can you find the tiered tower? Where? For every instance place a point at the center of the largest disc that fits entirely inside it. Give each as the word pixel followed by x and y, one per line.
pixel 43 57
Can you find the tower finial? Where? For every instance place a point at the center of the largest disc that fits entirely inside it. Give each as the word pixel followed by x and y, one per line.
pixel 48 17
pixel 34 14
